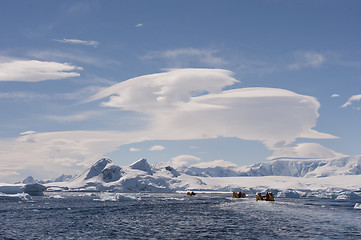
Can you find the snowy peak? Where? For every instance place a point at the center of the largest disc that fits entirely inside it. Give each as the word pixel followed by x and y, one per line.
pixel 112 173
pixel 98 167
pixel 28 180
pixel 307 167
pixel 142 165
pixel 63 178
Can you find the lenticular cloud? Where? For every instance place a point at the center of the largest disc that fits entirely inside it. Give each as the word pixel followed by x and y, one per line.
pixel 190 104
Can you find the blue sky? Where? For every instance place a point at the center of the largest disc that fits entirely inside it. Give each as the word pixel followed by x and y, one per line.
pixel 66 98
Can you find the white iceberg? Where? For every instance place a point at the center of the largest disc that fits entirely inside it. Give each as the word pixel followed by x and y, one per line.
pixel 348 195
pixel 11 188
pixel 17 197
pixel 115 197
pixel 288 194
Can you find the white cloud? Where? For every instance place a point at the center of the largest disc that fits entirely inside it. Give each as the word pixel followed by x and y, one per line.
pixel 184 161
pixel 354 98
pixel 274 116
pixel 134 149
pixel 35 71
pixel 139 25
pixel 156 148
pixel 335 95
pixel 179 104
pixel 306 150
pixel 27 133
pixel 77 41
pixel 307 59
pixel 187 56
pixel 53 153
pixel 213 164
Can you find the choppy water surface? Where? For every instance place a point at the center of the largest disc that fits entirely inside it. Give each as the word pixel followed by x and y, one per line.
pixel 177 216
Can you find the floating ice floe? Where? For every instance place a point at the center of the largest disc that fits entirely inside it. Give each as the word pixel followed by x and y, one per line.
pixel 347 196
pixel 17 197
pixel 55 196
pixel 288 194
pixel 115 197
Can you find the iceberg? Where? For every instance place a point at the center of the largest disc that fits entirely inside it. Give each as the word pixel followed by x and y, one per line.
pixel 115 197
pixel 34 189
pixel 11 188
pixel 17 197
pixel 347 195
pixel 288 193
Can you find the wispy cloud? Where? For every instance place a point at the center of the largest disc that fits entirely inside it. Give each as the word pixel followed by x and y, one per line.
pixel 307 59
pixel 354 98
pixel 75 117
pixel 77 41
pixel 76 55
pixel 139 25
pixel 156 148
pixel 22 95
pixel 335 95
pixel 35 71
pixel 186 56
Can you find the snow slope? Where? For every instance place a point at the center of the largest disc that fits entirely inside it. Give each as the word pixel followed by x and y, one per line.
pixel 285 167
pixel 104 175
pixel 306 167
pixel 289 177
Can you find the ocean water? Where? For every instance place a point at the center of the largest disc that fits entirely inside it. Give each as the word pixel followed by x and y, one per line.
pixel 176 216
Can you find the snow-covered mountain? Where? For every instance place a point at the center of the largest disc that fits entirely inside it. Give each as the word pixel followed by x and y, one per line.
pixel 305 167
pixel 305 175
pixel 285 167
pixel 105 175
pixel 140 176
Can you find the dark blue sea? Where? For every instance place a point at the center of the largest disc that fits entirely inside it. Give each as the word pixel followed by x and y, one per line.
pixel 177 216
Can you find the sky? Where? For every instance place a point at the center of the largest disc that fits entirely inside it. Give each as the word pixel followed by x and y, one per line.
pixel 190 82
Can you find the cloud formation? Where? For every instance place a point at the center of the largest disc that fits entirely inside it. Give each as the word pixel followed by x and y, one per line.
pixel 354 98
pixel 179 104
pixel 53 153
pixel 77 41
pixel 183 56
pixel 35 71
pixel 190 104
pixel 184 160
pixel 307 59
pixel 306 150
pixel 134 149
pixel 156 148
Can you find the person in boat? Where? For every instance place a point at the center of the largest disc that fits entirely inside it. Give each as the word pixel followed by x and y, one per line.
pixel 259 197
pixel 267 196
